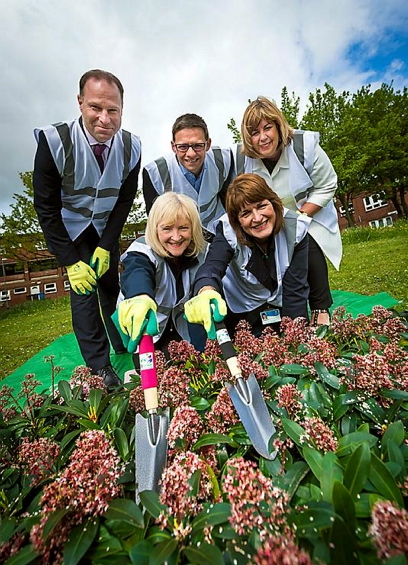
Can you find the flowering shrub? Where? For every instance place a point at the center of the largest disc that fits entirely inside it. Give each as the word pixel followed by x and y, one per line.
pixel 335 493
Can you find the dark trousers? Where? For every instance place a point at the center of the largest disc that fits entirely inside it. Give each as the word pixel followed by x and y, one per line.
pixel 91 314
pixel 320 297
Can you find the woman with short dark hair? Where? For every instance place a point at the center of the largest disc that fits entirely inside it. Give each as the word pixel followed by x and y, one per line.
pixel 257 261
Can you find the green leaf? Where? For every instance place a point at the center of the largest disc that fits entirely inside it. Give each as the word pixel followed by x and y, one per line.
pixel 328 378
pixel 53 520
pixel 294 431
pixel 121 443
pixel 395 455
pixel 339 407
pixel 150 501
pixel 205 554
pixel 140 553
pixel 371 409
pixel 88 424
pixel 343 544
pixel 314 518
pixel 364 504
pixel 80 540
pixel 125 510
pixel 7 527
pixel 200 403
pixel 95 397
pixel 213 439
pixel 293 369
pixel 214 515
pixel 347 444
pixel 66 440
pixel 331 473
pixel 25 556
pixel 383 481
pixel 395 433
pixel 76 407
pixel 356 472
pixel 65 390
pixel 394 393
pixel 315 461
pixel 344 505
pixel 293 477
pixel 162 552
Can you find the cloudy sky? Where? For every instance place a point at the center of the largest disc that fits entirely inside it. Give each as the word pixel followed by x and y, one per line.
pixel 203 56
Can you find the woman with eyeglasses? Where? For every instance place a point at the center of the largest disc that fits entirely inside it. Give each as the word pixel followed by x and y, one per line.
pixel 299 171
pixel 158 273
pixel 257 261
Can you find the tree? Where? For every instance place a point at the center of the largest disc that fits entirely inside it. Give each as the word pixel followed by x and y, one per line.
pixel 21 232
pixel 290 107
pixel 136 220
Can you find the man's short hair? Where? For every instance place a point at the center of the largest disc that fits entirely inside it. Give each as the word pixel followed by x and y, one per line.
pixel 189 121
pixel 98 74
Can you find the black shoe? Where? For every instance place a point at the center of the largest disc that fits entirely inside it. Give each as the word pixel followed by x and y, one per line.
pixel 110 378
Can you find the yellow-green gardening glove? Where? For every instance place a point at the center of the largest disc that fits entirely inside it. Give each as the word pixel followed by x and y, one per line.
pixel 100 261
pixel 82 278
pixel 204 309
pixel 137 316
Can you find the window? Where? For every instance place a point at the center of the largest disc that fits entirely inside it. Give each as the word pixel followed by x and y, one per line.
pixel 67 286
pixel 50 287
pixel 20 290
pixel 342 210
pixel 382 222
pixel 4 295
pixel 373 202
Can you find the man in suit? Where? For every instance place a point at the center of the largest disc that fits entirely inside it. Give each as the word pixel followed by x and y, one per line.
pixel 194 169
pixel 85 181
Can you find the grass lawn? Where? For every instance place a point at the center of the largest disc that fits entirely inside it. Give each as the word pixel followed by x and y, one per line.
pixel 28 328
pixel 375 260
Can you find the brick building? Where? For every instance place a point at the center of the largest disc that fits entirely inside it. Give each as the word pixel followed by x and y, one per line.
pixel 369 211
pixel 35 278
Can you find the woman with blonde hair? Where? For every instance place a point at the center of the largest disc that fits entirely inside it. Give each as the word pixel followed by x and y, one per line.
pixel 257 261
pixel 299 171
pixel 158 273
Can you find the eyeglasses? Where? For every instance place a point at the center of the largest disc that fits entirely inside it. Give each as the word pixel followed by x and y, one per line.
pixel 184 147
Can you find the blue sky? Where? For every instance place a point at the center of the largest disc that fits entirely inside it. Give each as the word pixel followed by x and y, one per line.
pixel 184 56
pixel 390 57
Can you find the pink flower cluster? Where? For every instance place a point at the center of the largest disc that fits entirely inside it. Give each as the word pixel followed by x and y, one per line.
pixel 182 351
pixel 38 457
pixel 174 387
pixel 370 373
pixel 186 427
pixel 222 414
pixel 279 550
pixel 255 503
pixel 12 546
pixel 244 340
pixel 176 491
pixel 389 529
pixel 289 397
pixel 83 377
pixel 84 488
pixel 319 435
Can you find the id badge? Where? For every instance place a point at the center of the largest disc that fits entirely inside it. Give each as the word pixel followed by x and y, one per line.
pixel 270 317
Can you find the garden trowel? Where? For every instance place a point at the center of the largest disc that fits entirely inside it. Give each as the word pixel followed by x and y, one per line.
pixel 247 398
pixel 151 432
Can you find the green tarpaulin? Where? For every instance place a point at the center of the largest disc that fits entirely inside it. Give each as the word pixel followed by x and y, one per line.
pixel 66 353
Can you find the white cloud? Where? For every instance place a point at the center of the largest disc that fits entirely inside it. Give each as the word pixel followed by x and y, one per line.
pixel 180 56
